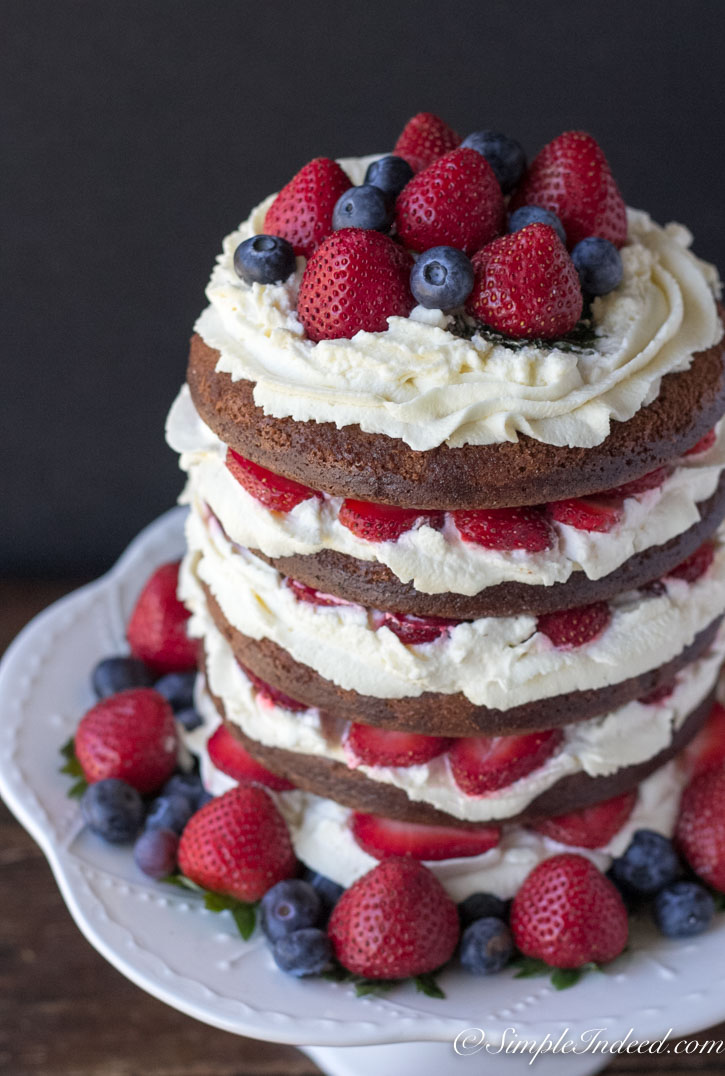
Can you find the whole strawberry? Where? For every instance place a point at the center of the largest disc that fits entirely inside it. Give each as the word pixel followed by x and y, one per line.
pixel 395 921
pixel 130 736
pixel 302 211
pixel 454 202
pixel 156 631
pixel 526 285
pixel 701 827
pixel 237 844
pixel 355 281
pixel 568 914
pixel 424 139
pixel 571 178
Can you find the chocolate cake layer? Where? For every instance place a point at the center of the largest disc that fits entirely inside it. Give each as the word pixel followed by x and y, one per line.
pixel 351 463
pixel 435 714
pixel 333 780
pixel 373 584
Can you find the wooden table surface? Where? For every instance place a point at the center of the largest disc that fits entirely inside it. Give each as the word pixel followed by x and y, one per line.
pixel 65 1012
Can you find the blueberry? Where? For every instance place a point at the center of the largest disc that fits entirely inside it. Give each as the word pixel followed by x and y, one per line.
pixel 119 674
pixel 534 214
pixel 289 906
pixel 113 809
pixel 482 906
pixel 328 891
pixel 599 265
pixel 306 952
pixel 486 946
pixel 178 688
pixel 442 278
pixel 389 174
pixel 683 909
pixel 189 719
pixel 155 852
pixel 170 812
pixel 505 155
pixel 363 207
pixel 649 863
pixel 187 785
pixel 264 259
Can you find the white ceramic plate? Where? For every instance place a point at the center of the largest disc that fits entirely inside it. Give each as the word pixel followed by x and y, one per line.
pixel 195 961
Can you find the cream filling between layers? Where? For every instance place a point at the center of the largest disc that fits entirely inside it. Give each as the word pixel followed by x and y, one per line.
pixel 497 662
pixel 437 562
pixel 418 382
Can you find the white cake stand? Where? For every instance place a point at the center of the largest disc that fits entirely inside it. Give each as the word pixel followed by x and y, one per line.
pixel 195 961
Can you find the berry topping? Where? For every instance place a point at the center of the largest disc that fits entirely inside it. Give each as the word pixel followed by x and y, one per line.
pixel 454 202
pixel 442 278
pixel 185 784
pixel 424 139
pixel 228 755
pixel 707 750
pixel 395 921
pixel 131 736
pixel 119 674
pixel 170 811
pixel 264 259
pixel 568 914
pixel 645 482
pixel 272 490
pixel 482 906
pixel 534 214
pixel 302 211
pixel 113 809
pixel 592 827
pixel 156 631
pixel 189 718
pixel 574 627
pixel 354 282
pixel 329 891
pixel 389 174
pixel 384 837
pixel 701 827
pixel 155 852
pixel 237 844
pixel 695 565
pixel 526 285
pixel 506 528
pixel 305 952
pixel 571 177
pixel 363 207
pixel 486 946
pixel 587 513
pixel 177 689
pixel 482 764
pixel 683 909
pixel 272 696
pixel 599 265
pixel 288 906
pixel 649 863
pixel 704 444
pixel 307 594
pixel 386 747
pixel 383 522
pixel 505 155
pixel 413 630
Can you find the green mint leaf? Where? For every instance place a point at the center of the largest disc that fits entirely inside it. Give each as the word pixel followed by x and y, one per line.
pixel 363 987
pixel 182 882
pixel 426 984
pixel 530 967
pixel 245 917
pixel 218 902
pixel 563 978
pixel 72 767
pixel 719 899
pixel 77 789
pixel 68 750
pixel 337 974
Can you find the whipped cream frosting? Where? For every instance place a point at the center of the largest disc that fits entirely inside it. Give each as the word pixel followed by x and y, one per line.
pixel 437 561
pixel 497 662
pixel 418 382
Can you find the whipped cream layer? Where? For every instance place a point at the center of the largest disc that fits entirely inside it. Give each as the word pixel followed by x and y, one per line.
pixel 323 841
pixel 599 747
pixel 418 382
pixel 497 662
pixel 437 561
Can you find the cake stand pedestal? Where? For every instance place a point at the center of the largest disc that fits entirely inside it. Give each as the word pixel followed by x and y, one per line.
pixel 440 1059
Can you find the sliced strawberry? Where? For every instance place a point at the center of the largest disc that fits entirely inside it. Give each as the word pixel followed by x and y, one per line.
pixel 592 827
pixel 641 485
pixel 383 522
pixel 270 489
pixel 506 528
pixel 302 211
pixel 413 630
pixel 703 445
pixel 424 139
pixel 383 837
pixel 482 764
pixel 231 758
pixel 575 627
pixel 588 513
pixel 385 747
pixel 272 695
pixel 707 750
pixel 304 593
pixel 695 565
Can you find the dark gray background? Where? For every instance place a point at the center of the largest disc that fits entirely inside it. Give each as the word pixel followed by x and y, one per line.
pixel 139 132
